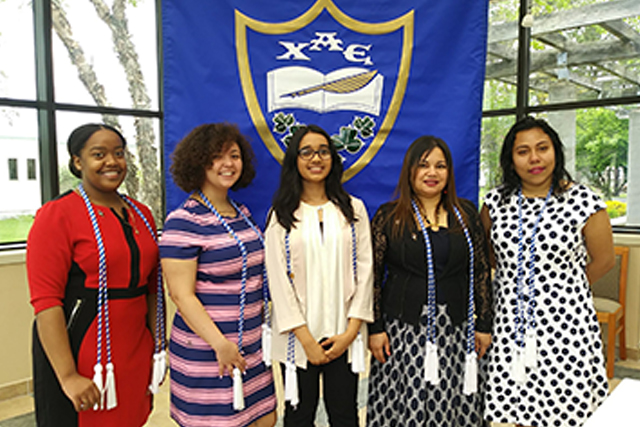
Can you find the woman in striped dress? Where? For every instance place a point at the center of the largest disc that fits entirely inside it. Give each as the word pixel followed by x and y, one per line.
pixel 212 257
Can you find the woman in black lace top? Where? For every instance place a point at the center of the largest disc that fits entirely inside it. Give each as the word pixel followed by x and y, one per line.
pixel 432 298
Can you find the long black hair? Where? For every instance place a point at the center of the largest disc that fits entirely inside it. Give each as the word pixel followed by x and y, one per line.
pixel 286 199
pixel 510 179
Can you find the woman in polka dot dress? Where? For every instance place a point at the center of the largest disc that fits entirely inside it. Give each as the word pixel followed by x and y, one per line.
pixel 546 364
pixel 432 299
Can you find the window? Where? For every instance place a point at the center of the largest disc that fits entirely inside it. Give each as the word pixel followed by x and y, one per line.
pixel 582 75
pixel 13 169
pixel 92 78
pixel 31 169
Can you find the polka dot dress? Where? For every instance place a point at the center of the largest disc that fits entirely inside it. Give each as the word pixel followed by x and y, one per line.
pixel 398 393
pixel 569 381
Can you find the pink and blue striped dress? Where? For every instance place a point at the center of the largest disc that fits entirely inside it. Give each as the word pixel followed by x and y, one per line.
pixel 198 396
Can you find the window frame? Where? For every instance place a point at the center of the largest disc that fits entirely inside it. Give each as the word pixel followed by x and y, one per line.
pixel 523 108
pixel 46 106
pixel 13 169
pixel 31 170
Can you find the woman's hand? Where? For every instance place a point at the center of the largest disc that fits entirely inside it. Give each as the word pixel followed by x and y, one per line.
pixel 483 341
pixel 315 353
pixel 336 345
pixel 228 357
pixel 52 331
pixel 379 346
pixel 181 281
pixel 82 391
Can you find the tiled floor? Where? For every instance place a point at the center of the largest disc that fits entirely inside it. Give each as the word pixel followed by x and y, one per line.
pixel 17 412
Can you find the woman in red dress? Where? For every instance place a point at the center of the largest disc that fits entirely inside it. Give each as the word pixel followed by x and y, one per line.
pixel 92 265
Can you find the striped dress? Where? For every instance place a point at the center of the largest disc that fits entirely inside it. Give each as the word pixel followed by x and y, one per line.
pixel 198 396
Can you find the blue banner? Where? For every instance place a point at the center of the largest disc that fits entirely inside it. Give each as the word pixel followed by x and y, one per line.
pixel 375 75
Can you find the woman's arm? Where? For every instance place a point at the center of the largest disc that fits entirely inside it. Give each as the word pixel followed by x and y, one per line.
pixel 378 338
pixel 486 224
pixel 52 331
pixel 361 305
pixel 316 355
pixel 599 241
pixel 50 249
pixel 483 291
pixel 287 309
pixel 181 281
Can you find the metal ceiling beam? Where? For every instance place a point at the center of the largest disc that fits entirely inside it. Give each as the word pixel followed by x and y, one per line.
pixel 593 14
pixel 585 53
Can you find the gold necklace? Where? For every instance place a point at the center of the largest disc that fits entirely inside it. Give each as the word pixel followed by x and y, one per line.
pixel 436 222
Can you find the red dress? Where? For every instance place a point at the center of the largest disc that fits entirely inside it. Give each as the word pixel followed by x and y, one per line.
pixel 62 268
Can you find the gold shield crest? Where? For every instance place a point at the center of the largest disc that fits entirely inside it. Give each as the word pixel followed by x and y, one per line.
pixel 404 23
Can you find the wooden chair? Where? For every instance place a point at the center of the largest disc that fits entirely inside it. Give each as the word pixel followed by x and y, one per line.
pixel 609 297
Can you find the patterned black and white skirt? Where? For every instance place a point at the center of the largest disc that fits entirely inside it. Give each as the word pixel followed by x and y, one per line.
pixel 398 392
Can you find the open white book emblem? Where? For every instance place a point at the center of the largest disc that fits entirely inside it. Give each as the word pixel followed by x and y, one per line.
pixel 349 88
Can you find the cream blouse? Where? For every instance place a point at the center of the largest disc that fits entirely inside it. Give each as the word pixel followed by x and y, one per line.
pixel 324 294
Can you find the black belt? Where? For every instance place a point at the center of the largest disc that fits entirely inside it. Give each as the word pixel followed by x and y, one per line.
pixel 121 293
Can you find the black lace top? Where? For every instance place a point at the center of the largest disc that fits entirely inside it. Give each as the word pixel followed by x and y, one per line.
pixel 400 270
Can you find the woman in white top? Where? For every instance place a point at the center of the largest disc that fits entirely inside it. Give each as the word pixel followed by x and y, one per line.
pixel 319 265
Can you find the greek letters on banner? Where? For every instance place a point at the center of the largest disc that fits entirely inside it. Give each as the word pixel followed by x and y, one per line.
pixel 374 74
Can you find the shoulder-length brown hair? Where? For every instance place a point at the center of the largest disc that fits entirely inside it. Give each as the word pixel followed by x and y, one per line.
pixel 401 214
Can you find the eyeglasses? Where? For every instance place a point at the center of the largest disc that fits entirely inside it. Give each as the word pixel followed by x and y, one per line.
pixel 307 153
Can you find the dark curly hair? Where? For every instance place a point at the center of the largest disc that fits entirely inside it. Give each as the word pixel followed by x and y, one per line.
pixel 194 155
pixel 510 179
pixel 287 197
pixel 79 137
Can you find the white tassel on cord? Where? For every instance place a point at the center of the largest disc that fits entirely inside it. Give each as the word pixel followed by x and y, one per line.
pixel 517 367
pixel 291 384
pixel 97 380
pixel 159 371
pixel 266 344
pixel 110 388
pixel 238 392
pixel 154 385
pixel 357 355
pixel 530 350
pixel 431 364
pixel 470 374
pixel 163 365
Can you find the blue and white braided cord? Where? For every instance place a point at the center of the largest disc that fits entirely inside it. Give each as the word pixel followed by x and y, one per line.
pixel 354 253
pixel 431 281
pixel 160 342
pixel 519 318
pixel 531 323
pixel 471 326
pixel 291 350
pixel 243 252
pixel 265 281
pixel 103 303
pixel 470 341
